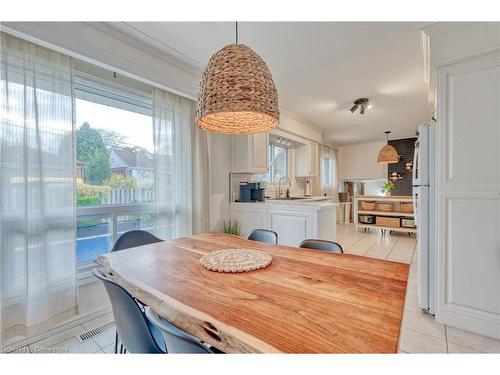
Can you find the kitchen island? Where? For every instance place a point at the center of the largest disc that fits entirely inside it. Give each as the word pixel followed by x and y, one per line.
pixel 293 220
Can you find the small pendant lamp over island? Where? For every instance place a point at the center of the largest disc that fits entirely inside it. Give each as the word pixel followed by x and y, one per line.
pixel 237 95
pixel 388 154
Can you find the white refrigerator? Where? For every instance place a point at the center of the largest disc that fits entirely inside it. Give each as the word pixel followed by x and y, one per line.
pixel 424 201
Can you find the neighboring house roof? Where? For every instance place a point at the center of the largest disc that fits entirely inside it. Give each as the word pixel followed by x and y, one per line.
pixel 132 158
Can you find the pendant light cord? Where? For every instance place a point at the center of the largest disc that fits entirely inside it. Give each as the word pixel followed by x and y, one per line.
pixel 236 32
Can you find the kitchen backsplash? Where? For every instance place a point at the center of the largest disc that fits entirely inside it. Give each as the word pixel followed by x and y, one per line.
pixel 405 148
pixel 297 188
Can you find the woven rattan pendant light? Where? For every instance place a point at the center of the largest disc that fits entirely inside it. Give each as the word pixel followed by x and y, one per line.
pixel 237 95
pixel 388 154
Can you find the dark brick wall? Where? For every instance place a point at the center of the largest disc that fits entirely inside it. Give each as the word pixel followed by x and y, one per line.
pixel 405 148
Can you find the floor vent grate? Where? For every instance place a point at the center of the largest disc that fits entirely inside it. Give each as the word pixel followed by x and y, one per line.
pixel 87 335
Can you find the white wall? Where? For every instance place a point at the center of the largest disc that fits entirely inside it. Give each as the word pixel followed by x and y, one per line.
pixel 374 187
pixel 219 164
pixel 299 128
pixel 359 162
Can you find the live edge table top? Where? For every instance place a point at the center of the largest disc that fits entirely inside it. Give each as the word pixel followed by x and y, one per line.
pixel 306 301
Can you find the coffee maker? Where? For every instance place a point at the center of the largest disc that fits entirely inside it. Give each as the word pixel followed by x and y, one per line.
pixel 252 192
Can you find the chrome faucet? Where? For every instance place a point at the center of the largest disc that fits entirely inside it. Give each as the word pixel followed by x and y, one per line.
pixel 285 178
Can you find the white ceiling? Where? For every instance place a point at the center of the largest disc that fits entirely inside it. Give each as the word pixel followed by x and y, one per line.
pixel 319 69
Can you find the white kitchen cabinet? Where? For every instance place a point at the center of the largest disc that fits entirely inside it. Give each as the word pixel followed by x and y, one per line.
pixel 294 222
pixel 292 226
pixel 467 71
pixel 307 160
pixel 250 153
pixel 249 216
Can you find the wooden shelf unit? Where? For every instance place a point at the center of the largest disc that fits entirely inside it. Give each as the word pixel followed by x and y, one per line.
pixel 382 198
pixel 385 213
pixel 390 199
pixel 400 229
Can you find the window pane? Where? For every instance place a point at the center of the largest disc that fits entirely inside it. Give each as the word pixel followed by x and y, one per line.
pixel 279 163
pixel 115 168
pixel 127 223
pixel 93 237
pixel 115 160
pixel 327 171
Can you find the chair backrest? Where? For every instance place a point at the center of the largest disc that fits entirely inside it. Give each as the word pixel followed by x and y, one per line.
pixel 176 339
pixel 322 245
pixel 264 235
pixel 132 325
pixel 134 238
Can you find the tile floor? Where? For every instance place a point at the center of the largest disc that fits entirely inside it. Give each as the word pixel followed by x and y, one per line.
pixel 419 333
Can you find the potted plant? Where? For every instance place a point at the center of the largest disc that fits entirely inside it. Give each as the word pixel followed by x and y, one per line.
pixel 388 187
pixel 231 227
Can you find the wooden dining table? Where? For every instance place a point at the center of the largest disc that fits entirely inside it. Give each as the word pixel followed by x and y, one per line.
pixel 306 301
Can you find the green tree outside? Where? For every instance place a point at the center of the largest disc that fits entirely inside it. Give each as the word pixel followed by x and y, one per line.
pixel 97 168
pixel 91 149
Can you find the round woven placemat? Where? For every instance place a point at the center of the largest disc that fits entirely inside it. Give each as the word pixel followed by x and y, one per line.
pixel 235 260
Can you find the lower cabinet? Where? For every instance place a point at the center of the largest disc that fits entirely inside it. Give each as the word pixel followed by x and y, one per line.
pixel 292 226
pixel 249 218
pixel 292 223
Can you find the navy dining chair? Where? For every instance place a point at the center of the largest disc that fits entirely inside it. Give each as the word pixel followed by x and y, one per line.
pixel 325 245
pixel 136 333
pixel 134 238
pixel 177 340
pixel 131 239
pixel 264 235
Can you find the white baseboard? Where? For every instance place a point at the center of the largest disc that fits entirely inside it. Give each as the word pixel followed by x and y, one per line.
pixel 475 323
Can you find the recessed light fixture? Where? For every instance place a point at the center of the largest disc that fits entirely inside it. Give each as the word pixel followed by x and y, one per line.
pixel 362 103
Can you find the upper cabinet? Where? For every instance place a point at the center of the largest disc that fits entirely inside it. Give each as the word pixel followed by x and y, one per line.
pixel 249 153
pixel 307 160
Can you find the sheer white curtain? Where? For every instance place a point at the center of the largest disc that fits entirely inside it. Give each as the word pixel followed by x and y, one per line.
pixel 335 175
pixel 181 167
pixel 37 192
pixel 201 182
pixel 329 178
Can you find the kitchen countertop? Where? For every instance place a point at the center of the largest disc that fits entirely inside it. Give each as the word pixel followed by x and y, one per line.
pixel 311 202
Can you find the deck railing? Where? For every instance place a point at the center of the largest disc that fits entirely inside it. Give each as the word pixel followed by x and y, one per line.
pixel 98 226
pixel 127 196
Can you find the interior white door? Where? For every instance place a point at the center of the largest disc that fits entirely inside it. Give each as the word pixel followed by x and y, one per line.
pixel 468 268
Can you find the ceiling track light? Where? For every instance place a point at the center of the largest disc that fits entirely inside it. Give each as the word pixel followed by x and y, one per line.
pixel 362 103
